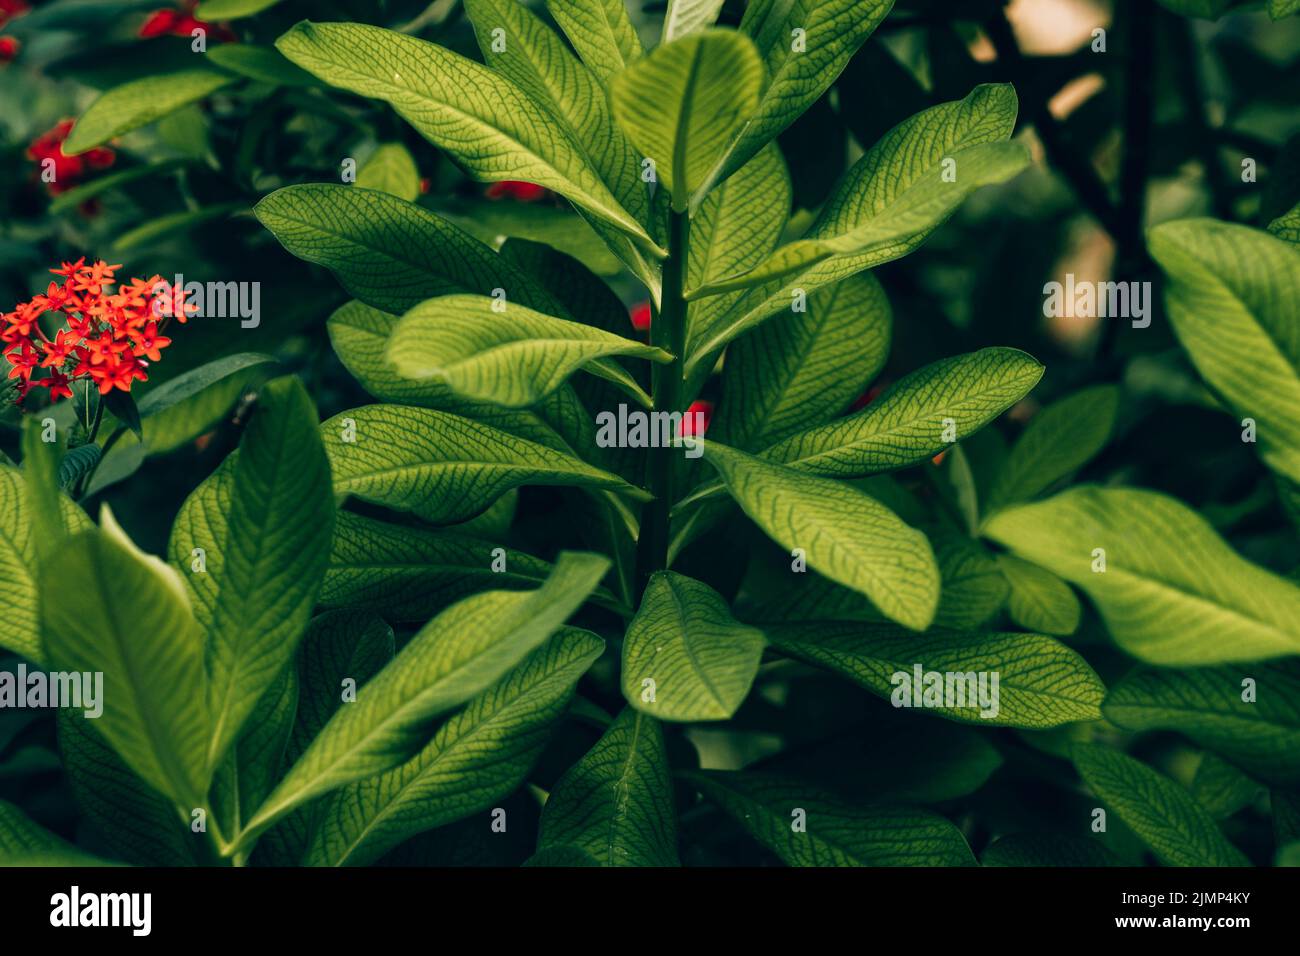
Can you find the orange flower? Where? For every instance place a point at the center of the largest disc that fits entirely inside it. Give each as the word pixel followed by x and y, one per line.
pixel 107 338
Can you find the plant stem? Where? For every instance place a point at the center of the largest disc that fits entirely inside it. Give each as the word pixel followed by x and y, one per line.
pixel 668 331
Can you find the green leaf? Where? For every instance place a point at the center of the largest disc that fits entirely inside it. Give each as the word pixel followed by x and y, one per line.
pixel 1204 9
pixel 682 104
pixel 912 216
pixel 453 658
pixel 391 169
pixel 482 119
pixel 874 191
pixel 1159 811
pixel 129 618
pixel 699 659
pixel 601 33
pixel 214 10
pixel 388 253
pixel 19 605
pixel 264 64
pixel 252 764
pixel 1047 849
pixel 139 102
pixel 685 17
pixel 77 464
pixel 183 408
pixel 1039 600
pixel 973 587
pixel 952 398
pixel 173 225
pixel 134 821
pixel 846 536
pixel 477 757
pixel 1059 440
pixel 463 342
pixel 122 407
pixel 1277 9
pixel 833 833
pixel 23 842
pixel 1286 226
pixel 1172 592
pixel 616 803
pixel 409 574
pixel 833 30
pixel 1260 735
pixel 539 63
pixel 264 522
pixel 1040 682
pixel 800 371
pixel 1223 789
pixel 442 467
pixel 45 507
pixel 1233 297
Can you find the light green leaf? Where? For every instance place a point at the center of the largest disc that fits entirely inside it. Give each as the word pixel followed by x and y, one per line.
pixel 391 169
pixel 388 253
pixel 1159 811
pixel 264 64
pixel 601 33
pixel 1277 9
pixel 442 467
pixel 463 342
pixel 682 104
pixel 1222 789
pixel 264 522
pixel 685 17
pixel 1173 592
pixel 799 74
pixel 913 215
pixel 19 607
pixel 1047 849
pixel 23 842
pixel 253 763
pixel 1260 735
pixel 835 833
pixel 453 658
pixel 1059 440
pixel 1039 600
pixel 912 152
pixel 616 803
pixel 129 618
pixel 846 536
pixel 952 398
pixel 800 371
pixel 214 10
pixel 138 102
pixel 479 117
pixel 409 574
pixel 1040 682
pixel 477 757
pixel 539 62
pixel 701 660
pixel 1233 296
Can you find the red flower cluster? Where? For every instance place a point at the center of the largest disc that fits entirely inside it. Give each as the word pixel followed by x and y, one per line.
pixel 68 170
pixel 8 10
pixel 181 23
pixel 519 191
pixel 109 337
pixel 640 316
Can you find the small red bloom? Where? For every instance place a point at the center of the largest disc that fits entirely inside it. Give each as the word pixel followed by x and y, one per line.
pixel 640 316
pixel 47 151
pixel 181 23
pixel 8 49
pixel 699 408
pixel 520 191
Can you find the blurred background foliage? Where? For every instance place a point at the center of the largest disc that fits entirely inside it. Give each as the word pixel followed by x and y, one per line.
pixel 1159 125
